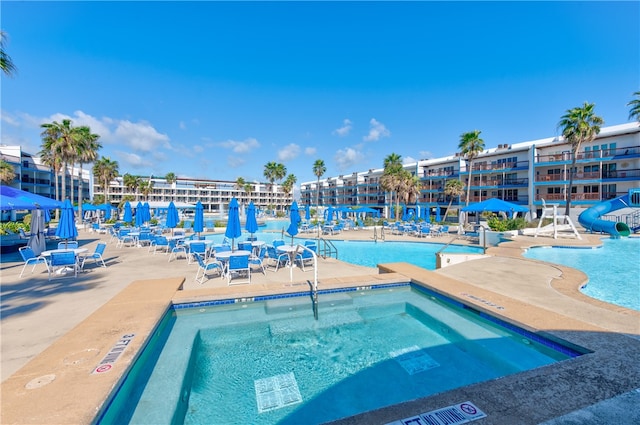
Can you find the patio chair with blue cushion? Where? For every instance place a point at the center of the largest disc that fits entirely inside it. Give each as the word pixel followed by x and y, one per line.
pixel 304 257
pixel 30 257
pixel 96 256
pixel 68 245
pixel 276 259
pixel 62 261
pixel 238 267
pixel 159 242
pixel 176 247
pixel 198 249
pixel 208 267
pixel 258 260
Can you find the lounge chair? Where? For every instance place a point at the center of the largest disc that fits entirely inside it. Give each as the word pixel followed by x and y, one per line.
pixel 29 257
pixel 198 249
pixel 238 267
pixel 304 257
pixel 208 267
pixel 175 248
pixel 97 255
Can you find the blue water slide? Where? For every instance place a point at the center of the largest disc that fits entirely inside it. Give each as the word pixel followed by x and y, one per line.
pixel 590 218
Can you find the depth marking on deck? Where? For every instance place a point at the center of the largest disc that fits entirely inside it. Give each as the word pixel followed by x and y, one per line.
pixel 457 414
pixel 114 354
pixel 482 300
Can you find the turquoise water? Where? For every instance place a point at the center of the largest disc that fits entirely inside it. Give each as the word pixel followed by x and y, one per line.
pixel 270 362
pixel 613 270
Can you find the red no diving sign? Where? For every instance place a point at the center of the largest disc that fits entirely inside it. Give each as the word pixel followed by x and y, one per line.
pixel 106 364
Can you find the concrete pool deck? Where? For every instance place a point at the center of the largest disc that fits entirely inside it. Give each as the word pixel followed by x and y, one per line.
pixel 54 333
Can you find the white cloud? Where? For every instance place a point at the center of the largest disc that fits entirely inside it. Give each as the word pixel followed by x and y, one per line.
pixel 131 160
pixel 310 151
pixel 182 125
pixel 347 158
pixel 344 130
pixel 409 160
pixel 289 152
pixel 140 136
pixel 426 154
pixel 240 146
pixel 377 130
pixel 235 161
pixel 197 148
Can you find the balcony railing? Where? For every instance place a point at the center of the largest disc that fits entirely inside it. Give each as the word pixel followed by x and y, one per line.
pixel 590 155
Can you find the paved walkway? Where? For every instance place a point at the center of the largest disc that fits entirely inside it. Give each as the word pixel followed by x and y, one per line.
pixel 36 313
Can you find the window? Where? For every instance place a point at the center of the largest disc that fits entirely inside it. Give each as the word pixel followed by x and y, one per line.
pixel 591 189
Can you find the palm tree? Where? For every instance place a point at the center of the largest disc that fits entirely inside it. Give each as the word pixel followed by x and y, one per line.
pixel 171 178
pixel 248 189
pixel 240 183
pixel 62 140
pixel 274 171
pixel 132 183
pixel 105 170
pixel 51 160
pixel 409 187
pixel 146 186
pixel 7 173
pixel 318 170
pixel 6 64
pixel 579 125
pixel 453 189
pixel 288 184
pixel 391 178
pixel 634 112
pixel 87 152
pixel 471 145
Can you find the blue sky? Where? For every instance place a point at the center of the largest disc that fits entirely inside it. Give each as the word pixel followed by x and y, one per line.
pixel 216 90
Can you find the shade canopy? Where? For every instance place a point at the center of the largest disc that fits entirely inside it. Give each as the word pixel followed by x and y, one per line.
pixel 16 199
pixel 198 220
pixel 495 205
pixel 233 230
pixel 251 225
pixel 67 227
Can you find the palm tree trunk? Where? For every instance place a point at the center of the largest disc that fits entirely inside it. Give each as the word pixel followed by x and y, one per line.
pixel 71 176
pixel 80 212
pixel 568 204
pixel 446 213
pixel 469 183
pixel 64 181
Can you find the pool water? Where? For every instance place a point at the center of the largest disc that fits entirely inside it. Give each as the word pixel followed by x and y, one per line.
pixel 270 362
pixel 613 270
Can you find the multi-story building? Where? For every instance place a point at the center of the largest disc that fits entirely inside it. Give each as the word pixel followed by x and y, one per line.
pixel 522 173
pixel 31 175
pixel 214 195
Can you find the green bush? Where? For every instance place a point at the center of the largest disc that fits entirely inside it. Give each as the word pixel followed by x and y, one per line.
pixel 498 225
pixel 13 227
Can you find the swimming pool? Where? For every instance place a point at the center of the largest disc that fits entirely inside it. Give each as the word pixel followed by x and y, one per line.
pixel 613 270
pixel 268 361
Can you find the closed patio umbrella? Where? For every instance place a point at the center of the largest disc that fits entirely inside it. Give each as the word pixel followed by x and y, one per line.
pixel 234 230
pixel 294 217
pixel 37 240
pixel 128 214
pixel 172 216
pixel 198 220
pixel 67 227
pixel 307 212
pixel 251 225
pixel 147 212
pixel 139 215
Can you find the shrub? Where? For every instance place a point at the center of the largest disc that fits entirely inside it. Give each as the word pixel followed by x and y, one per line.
pixel 498 225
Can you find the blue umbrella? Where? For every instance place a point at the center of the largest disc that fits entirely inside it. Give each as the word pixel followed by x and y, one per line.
pixel 307 212
pixel 294 217
pixel 147 212
pixel 67 227
pixel 139 215
pixel 233 230
pixel 198 220
pixel 172 216
pixel 107 211
pixel 252 224
pixel 437 214
pixel 47 216
pixel 16 199
pixel 128 215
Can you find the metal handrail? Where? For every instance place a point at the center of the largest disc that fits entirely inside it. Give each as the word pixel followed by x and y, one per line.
pixel 326 248
pixel 314 284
